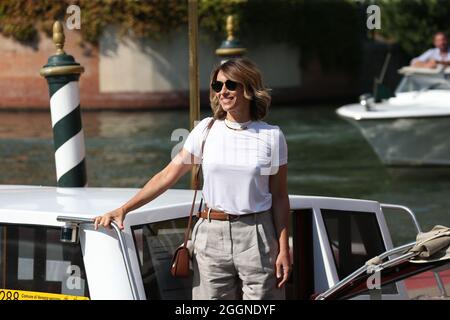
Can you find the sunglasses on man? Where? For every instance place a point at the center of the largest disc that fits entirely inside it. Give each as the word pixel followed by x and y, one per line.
pixel 229 84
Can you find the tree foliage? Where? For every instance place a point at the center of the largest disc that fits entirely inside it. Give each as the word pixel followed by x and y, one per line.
pixel 412 23
pixel 328 29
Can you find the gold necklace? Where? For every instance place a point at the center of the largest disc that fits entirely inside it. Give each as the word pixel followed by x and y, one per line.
pixel 243 126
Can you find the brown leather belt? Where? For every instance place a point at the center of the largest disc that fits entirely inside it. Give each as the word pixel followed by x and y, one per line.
pixel 212 214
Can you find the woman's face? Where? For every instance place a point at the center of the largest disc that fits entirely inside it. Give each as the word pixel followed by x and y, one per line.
pixel 231 100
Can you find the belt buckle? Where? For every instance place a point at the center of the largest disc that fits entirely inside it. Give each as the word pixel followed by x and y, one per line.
pixel 209 215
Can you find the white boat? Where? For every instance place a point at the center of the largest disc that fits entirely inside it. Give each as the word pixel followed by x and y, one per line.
pixel 50 250
pixel 411 128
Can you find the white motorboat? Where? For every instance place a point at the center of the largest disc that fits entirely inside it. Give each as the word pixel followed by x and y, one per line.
pixel 50 250
pixel 411 128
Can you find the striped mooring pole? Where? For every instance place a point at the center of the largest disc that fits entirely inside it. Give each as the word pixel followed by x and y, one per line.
pixel 231 47
pixel 62 73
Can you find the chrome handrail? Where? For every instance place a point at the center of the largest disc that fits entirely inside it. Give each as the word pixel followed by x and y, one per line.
pixel 340 284
pixel 396 260
pixel 437 277
pixel 126 259
pixel 409 211
pixel 365 268
pixel 393 251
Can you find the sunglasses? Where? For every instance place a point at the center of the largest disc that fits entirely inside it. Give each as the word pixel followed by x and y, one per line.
pixel 229 84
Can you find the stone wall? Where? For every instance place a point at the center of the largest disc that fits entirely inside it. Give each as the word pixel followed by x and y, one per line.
pixel 144 74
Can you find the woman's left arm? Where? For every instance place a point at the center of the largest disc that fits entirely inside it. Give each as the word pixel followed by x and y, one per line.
pixel 280 208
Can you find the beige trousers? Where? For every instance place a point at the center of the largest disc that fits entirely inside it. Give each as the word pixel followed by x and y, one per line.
pixel 236 259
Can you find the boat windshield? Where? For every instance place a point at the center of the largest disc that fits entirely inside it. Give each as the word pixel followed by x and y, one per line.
pixel 423 80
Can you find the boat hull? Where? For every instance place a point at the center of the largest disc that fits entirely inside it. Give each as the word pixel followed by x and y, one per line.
pixel 408 141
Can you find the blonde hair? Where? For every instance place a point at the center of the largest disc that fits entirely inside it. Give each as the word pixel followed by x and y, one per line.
pixel 245 72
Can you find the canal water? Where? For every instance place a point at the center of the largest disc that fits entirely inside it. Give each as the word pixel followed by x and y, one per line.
pixel 327 157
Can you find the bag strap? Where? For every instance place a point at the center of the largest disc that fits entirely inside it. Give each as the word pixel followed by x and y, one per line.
pixel 196 186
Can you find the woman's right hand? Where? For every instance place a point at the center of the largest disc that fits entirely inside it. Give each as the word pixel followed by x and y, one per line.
pixel 117 215
pixel 158 184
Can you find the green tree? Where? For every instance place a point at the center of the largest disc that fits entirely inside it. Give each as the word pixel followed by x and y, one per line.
pixel 412 23
pixel 327 29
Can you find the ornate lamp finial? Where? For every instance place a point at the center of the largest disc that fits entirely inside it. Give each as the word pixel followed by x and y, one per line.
pixel 230 28
pixel 58 37
pixel 231 47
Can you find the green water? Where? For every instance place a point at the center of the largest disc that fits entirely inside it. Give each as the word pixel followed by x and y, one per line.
pixel 327 157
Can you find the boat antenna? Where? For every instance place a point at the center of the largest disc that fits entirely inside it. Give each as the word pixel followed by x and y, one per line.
pixel 378 81
pixel 385 65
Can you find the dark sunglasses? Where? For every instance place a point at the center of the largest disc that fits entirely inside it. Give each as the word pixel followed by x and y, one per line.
pixel 229 84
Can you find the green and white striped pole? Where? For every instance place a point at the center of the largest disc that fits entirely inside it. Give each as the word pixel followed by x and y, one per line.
pixel 62 74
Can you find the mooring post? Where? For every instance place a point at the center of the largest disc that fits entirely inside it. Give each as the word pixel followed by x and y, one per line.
pixel 231 47
pixel 62 73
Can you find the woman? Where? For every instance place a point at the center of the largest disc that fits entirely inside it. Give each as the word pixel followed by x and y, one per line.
pixel 240 241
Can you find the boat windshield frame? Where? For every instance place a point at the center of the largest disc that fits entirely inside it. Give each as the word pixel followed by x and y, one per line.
pixel 423 80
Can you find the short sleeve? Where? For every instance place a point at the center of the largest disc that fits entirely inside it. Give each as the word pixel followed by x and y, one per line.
pixel 278 151
pixel 424 57
pixel 282 149
pixel 193 143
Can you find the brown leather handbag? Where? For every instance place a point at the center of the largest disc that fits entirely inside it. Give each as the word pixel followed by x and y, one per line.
pixel 181 258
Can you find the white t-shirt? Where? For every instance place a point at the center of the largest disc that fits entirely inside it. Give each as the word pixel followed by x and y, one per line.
pixel 236 164
pixel 434 54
